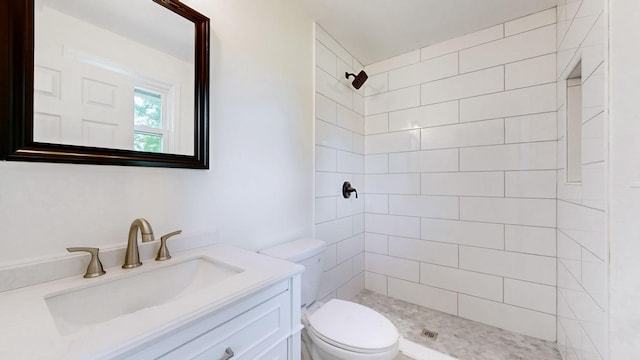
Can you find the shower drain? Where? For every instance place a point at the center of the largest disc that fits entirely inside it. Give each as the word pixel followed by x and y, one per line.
pixel 429 334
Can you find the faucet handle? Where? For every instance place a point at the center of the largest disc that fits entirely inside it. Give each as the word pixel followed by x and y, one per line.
pixel 163 252
pixel 94 269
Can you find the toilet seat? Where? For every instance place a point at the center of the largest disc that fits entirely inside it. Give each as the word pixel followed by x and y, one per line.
pixel 353 327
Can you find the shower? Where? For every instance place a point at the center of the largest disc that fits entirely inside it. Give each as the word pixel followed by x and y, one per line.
pixel 358 80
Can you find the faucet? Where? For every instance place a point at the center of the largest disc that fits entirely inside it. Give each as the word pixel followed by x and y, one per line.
pixel 132 257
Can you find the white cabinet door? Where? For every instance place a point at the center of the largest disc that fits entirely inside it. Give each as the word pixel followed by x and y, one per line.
pixel 247 335
pixel 279 352
pixel 261 325
pixel 249 327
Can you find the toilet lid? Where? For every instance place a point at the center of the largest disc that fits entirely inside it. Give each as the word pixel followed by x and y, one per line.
pixel 353 326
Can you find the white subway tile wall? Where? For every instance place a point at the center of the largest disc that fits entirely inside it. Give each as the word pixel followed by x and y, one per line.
pixel 340 129
pixel 423 72
pixel 458 150
pixel 582 242
pixel 527 23
pixel 456 87
pixel 509 49
pixel 463 42
pixel 423 295
pixel 519 73
pixel 506 316
pixel 424 116
pixel 528 128
pixel 460 176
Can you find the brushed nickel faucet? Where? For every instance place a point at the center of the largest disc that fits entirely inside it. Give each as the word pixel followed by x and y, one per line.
pixel 132 257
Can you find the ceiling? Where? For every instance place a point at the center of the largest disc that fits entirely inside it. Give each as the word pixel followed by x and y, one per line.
pixel 374 30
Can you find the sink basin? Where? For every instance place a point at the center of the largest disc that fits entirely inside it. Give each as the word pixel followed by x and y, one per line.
pixel 76 309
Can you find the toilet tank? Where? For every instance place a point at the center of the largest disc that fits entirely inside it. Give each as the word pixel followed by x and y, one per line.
pixel 308 253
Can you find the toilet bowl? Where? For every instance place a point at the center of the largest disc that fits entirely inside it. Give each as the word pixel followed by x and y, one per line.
pixel 345 330
pixel 338 329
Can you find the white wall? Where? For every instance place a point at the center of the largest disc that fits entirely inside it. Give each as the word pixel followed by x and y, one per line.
pixel 581 237
pixel 259 191
pixel 624 185
pixel 460 176
pixel 339 147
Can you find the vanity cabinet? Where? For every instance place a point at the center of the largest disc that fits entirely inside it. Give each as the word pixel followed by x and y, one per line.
pixel 264 325
pixel 220 297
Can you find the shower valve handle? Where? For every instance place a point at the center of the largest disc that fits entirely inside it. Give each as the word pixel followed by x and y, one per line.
pixel 347 190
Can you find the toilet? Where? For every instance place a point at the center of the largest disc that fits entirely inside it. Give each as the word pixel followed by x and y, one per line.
pixel 338 329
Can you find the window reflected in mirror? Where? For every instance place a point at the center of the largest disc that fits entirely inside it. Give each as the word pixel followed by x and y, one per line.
pixel 148 134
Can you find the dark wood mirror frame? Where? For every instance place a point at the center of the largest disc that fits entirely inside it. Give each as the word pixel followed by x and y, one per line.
pixel 16 98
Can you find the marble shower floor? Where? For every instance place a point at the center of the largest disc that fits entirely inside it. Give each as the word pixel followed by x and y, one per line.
pixel 461 338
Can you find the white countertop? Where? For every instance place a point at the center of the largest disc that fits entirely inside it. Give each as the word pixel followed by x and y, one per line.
pixel 28 331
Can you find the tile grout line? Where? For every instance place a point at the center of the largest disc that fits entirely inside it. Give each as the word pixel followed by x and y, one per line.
pixel 461 74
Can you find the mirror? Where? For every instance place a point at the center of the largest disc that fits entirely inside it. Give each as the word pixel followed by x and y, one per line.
pixel 115 82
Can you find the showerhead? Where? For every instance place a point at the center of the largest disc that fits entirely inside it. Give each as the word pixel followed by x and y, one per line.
pixel 359 79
